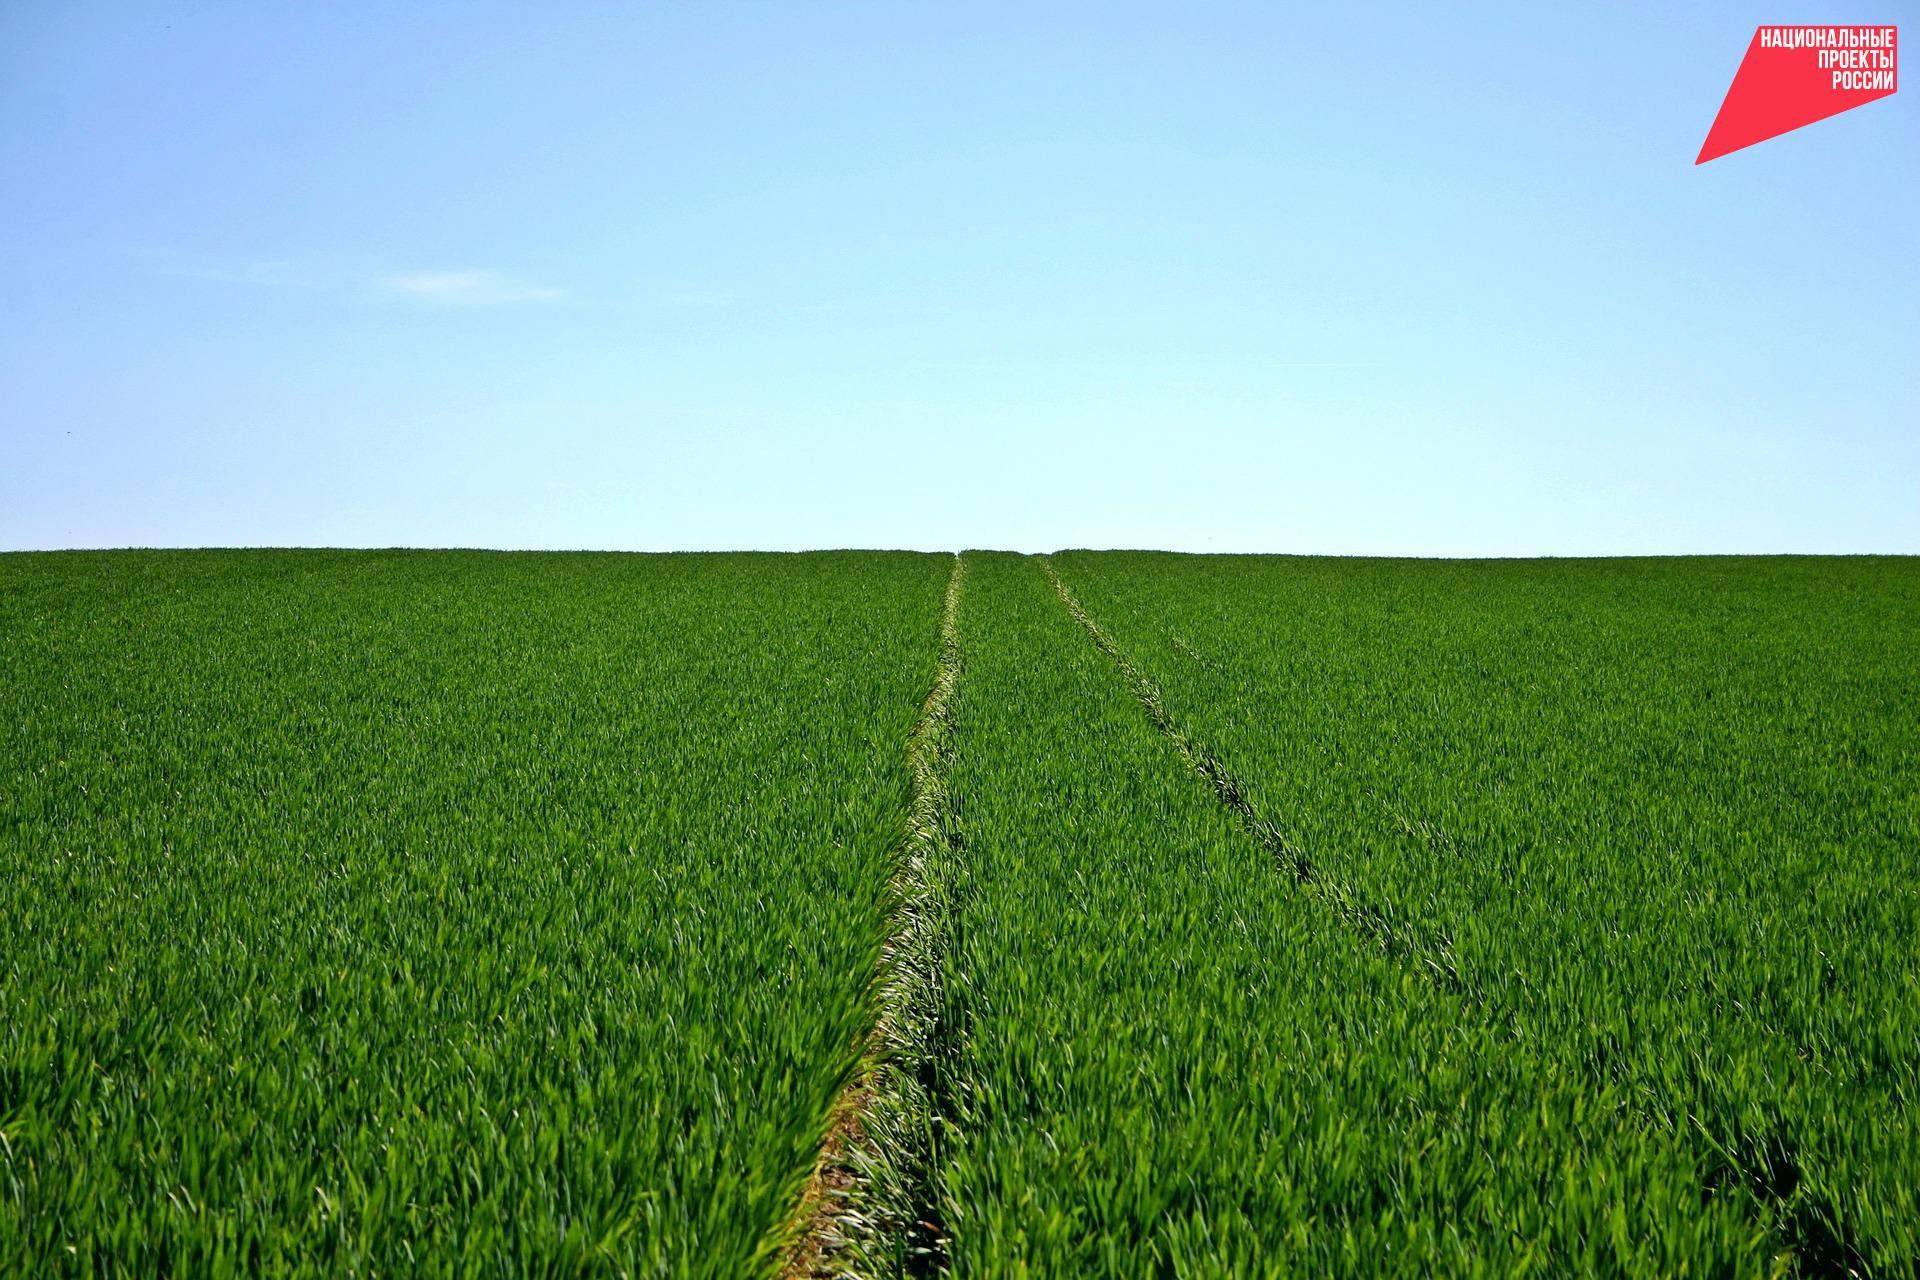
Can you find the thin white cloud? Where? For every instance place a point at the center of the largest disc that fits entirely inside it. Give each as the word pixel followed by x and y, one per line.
pixel 466 288
pixel 472 288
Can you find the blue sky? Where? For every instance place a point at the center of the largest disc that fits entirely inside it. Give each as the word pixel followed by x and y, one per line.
pixel 1428 280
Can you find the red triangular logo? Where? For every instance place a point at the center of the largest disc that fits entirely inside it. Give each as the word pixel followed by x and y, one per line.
pixel 1793 76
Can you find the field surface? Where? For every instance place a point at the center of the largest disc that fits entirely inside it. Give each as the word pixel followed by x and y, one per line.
pixel 1119 914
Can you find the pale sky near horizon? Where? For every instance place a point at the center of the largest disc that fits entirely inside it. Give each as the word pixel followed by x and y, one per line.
pixel 1421 280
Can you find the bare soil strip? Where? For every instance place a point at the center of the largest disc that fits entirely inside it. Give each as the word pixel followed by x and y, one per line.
pixel 864 1211
pixel 1398 937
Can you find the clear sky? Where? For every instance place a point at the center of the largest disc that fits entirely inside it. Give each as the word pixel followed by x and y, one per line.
pixel 1431 280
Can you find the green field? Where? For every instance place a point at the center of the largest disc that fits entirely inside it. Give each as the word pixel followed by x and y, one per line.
pixel 1136 914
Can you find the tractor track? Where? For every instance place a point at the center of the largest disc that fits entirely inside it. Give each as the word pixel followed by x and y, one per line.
pixel 866 1208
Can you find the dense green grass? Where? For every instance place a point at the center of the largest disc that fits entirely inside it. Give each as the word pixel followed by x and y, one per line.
pixel 383 913
pixel 1659 818
pixel 453 913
